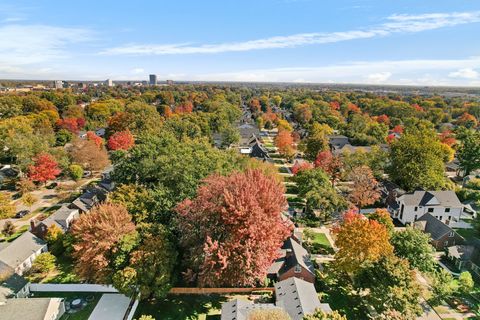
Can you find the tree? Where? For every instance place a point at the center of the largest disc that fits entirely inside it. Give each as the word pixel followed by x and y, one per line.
pixel 7 210
pixel 232 230
pixel 44 263
pixel 359 241
pixel 29 199
pixel 45 168
pixel 414 245
pixel 96 234
pixel 467 120
pixel 317 140
pixel 329 163
pixel 299 166
pixel 465 282
pixel 24 185
pixel 443 286
pixel 417 161
pixel 122 140
pixel 91 136
pixel 8 228
pixel 469 151
pixel 146 317
pixel 87 154
pixel 268 314
pixel 152 263
pixel 284 143
pixel 382 216
pixel 389 284
pixel 76 172
pixel 365 189
pixel 322 315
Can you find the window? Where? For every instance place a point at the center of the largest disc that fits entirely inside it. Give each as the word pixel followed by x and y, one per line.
pixel 447 209
pixel 451 234
pixel 446 243
pixel 415 218
pixel 298 269
pixel 430 209
pixel 415 209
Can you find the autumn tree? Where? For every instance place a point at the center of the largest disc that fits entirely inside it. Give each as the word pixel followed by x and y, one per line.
pixel 96 234
pixel 8 228
pixel 122 140
pixel 319 314
pixel 29 199
pixel 389 285
pixel 329 163
pixel 232 230
pixel 45 168
pixel 414 245
pixel 87 154
pixel 43 264
pixel 317 140
pixel 467 120
pixel 383 217
pixel 284 143
pixel 299 166
pixel 268 314
pixel 365 190
pixel 7 209
pixel 92 136
pixel 359 241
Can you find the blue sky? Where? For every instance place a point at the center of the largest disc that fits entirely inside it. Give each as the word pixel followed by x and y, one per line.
pixel 427 42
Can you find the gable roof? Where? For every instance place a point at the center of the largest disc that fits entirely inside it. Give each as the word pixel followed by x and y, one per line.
pixel 419 198
pixel 26 309
pixel 239 309
pixel 299 255
pixel 11 286
pixel 60 217
pixel 297 297
pixel 436 228
pixel 21 249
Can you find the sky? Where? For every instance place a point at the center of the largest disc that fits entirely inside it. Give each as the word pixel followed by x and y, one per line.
pixel 410 42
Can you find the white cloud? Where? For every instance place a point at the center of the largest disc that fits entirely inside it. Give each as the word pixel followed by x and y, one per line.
pixel 465 73
pixel 28 44
pixel 395 24
pixel 379 77
pixel 138 71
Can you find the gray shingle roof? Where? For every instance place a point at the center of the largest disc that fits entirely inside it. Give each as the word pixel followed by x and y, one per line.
pixel 436 228
pixel 11 286
pixel 432 198
pixel 299 256
pixel 60 217
pixel 239 309
pixel 297 297
pixel 21 249
pixel 25 309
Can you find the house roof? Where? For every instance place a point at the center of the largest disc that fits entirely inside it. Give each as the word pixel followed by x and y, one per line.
pixel 21 249
pixel 60 217
pixel 11 286
pixel 338 140
pixel 431 225
pixel 431 198
pixel 25 309
pixel 239 309
pixel 299 256
pixel 297 297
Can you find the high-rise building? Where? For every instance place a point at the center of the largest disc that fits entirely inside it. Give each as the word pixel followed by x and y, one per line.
pixel 58 84
pixel 109 82
pixel 153 79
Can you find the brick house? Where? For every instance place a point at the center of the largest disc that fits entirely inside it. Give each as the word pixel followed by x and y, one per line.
pixel 442 236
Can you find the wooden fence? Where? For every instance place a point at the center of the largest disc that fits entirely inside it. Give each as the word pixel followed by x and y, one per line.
pixel 217 290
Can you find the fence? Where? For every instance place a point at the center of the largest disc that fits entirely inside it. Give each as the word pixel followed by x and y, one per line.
pixel 72 287
pixel 217 290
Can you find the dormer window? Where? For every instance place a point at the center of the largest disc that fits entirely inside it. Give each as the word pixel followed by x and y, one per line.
pixel 298 269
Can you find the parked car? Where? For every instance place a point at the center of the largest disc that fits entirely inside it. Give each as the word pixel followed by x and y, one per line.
pixel 21 214
pixel 87 174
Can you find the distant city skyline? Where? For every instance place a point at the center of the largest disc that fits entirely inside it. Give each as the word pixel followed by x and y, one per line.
pixel 410 42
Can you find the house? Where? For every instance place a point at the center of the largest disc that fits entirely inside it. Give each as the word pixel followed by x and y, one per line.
pixel 19 255
pixel 14 286
pixel 443 205
pixel 107 182
pixel 298 298
pixel 293 262
pixel 466 257
pixel 294 296
pixel 32 309
pixel 62 218
pixel 337 141
pixel 89 199
pixel 442 236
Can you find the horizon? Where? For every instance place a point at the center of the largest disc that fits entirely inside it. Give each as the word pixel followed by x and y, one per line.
pixel 351 42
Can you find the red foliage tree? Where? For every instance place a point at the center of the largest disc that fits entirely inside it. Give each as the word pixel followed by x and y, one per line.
pixel 417 107
pixel 71 124
pixel 398 129
pixel 447 138
pixel 329 163
pixel 167 112
pixel 383 119
pixel 300 166
pixel 91 136
pixel 96 234
pixel 233 229
pixel 45 168
pixel 185 107
pixel 390 138
pixel 335 105
pixel 122 140
pixel 365 189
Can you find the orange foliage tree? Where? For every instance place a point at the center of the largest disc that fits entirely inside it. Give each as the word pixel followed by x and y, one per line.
pixel 284 143
pixel 233 229
pixel 122 140
pixel 329 163
pixel 359 241
pixel 365 189
pixel 96 234
pixel 44 168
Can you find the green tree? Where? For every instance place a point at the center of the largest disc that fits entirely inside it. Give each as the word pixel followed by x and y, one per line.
pixel 29 200
pixel 383 217
pixel 417 161
pixel 322 315
pixel 390 285
pixel 469 152
pixel 465 282
pixel 44 263
pixel 414 245
pixel 76 172
pixel 443 286
pixel 317 140
pixel 146 317
pixel 7 210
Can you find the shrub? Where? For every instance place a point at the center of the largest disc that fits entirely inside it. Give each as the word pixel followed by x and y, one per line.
pixel 76 172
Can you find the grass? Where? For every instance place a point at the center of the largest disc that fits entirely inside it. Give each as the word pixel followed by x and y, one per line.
pixel 69 296
pixel 17 233
pixel 468 234
pixel 181 307
pixel 321 239
pixel 65 272
pixel 292 189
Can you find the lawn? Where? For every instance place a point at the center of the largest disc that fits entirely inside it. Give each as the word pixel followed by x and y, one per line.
pixel 321 239
pixel 183 307
pixel 468 234
pixel 65 272
pixel 70 296
pixel 17 233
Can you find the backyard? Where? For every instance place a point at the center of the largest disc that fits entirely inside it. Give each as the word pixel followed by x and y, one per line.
pixel 91 299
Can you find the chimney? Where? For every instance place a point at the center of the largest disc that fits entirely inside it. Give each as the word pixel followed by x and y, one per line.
pixel 32 225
